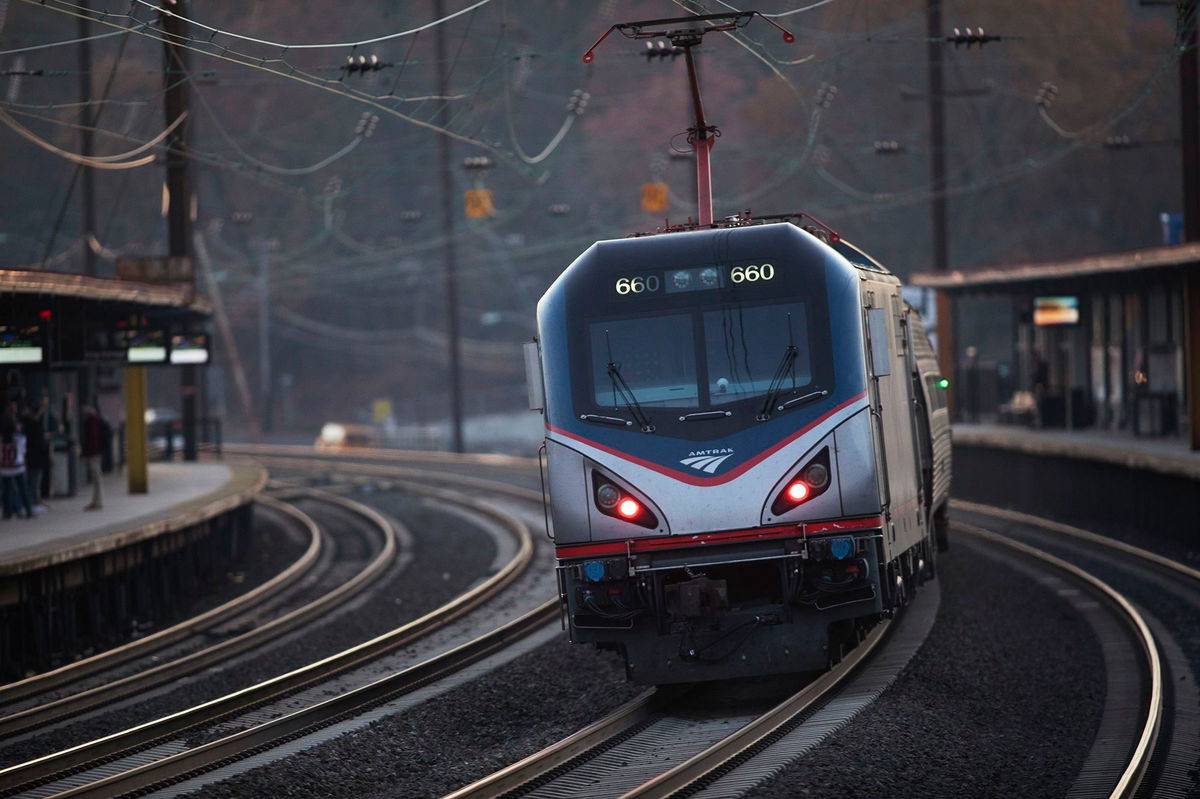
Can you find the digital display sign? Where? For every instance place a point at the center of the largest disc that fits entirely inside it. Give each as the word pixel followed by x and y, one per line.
pixel 1055 311
pixel 700 278
pixel 145 346
pixel 189 349
pixel 20 344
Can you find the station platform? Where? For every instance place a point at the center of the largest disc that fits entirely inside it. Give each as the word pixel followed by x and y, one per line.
pixel 1167 456
pixel 180 495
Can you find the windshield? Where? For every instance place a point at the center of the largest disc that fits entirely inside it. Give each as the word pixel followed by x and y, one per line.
pixel 705 359
pixel 656 356
pixel 744 348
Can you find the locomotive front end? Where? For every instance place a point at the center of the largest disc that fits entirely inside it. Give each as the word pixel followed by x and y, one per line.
pixel 710 461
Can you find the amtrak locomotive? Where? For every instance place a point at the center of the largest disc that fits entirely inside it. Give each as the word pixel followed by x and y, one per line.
pixel 747 449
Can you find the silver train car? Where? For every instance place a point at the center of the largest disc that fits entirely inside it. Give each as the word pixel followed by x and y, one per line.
pixel 747 450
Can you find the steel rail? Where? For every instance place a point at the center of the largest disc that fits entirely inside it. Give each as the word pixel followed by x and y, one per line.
pixel 229 648
pixel 746 738
pixel 381 453
pixel 749 736
pixel 1075 532
pixel 195 761
pixel 627 716
pixel 1139 759
pixel 40 770
pixel 406 474
pixel 45 681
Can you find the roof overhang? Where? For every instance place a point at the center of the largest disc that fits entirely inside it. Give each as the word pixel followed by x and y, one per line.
pixel 1177 256
pixel 98 289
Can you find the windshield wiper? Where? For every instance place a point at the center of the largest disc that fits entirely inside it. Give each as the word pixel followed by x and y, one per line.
pixel 785 367
pixel 781 371
pixel 627 395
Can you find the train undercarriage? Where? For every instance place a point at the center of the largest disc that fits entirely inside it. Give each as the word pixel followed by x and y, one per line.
pixel 715 612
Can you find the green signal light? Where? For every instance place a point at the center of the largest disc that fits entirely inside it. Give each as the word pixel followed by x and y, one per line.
pixel 943 383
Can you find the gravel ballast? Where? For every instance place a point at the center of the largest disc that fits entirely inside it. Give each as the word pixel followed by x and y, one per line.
pixel 1004 699
pixel 450 555
pixel 456 738
pixel 978 712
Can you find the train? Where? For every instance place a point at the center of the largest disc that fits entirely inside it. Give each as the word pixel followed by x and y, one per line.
pixel 747 447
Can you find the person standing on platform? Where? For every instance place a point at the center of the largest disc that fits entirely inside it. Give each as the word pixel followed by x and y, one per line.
pixel 37 449
pixel 91 446
pixel 13 487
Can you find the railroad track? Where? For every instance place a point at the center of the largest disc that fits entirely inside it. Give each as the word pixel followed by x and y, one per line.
pixel 40 684
pixel 200 654
pixel 623 755
pixel 155 752
pixel 1167 595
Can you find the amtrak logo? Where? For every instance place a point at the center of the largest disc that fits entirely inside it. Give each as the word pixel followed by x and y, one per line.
pixel 707 460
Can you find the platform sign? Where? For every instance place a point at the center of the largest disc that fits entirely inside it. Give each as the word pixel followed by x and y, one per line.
pixel 145 346
pixel 654 197
pixel 20 344
pixel 1055 311
pixel 381 410
pixel 156 269
pixel 478 203
pixel 189 349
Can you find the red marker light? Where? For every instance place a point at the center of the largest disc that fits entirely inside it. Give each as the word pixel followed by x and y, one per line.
pixel 46 315
pixel 629 508
pixel 798 491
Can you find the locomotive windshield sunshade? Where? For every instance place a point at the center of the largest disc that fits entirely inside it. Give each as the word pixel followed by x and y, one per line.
pixel 747 446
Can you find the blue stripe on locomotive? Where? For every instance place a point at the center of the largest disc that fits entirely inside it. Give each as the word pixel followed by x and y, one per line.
pixel 783 242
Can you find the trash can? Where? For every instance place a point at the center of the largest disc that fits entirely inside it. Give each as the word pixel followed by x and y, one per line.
pixel 62 475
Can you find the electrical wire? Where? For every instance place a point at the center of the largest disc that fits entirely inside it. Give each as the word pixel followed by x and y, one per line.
pixel 809 7
pixel 329 45
pixel 338 87
pixel 113 162
pixel 62 43
pixel 348 148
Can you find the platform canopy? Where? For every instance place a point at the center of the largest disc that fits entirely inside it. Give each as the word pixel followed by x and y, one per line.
pixel 55 319
pixel 1176 256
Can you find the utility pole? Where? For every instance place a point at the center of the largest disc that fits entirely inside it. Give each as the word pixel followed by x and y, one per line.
pixel 179 188
pixel 937 174
pixel 86 122
pixel 1189 117
pixel 264 334
pixel 443 120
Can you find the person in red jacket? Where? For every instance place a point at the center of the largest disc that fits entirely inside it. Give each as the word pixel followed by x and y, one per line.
pixel 91 445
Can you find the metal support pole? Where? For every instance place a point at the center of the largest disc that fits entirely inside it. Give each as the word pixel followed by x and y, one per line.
pixel 264 336
pixel 86 122
pixel 1191 298
pixel 443 120
pixel 179 187
pixel 1189 116
pixel 702 143
pixel 937 205
pixel 136 456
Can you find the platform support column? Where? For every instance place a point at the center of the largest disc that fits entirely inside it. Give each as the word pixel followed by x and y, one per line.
pixel 135 430
pixel 1191 298
pixel 945 345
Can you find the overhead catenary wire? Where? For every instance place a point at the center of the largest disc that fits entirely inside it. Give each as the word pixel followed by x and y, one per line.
pixel 65 42
pixel 334 86
pixel 323 46
pixel 345 150
pixel 101 162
